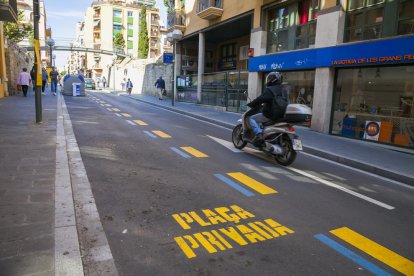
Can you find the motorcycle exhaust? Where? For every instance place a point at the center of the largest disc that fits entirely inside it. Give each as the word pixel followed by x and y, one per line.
pixel 274 149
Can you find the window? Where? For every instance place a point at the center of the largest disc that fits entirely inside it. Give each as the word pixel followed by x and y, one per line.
pixel 306 29
pixel 130 27
pixel 406 17
pixel 117 13
pixel 228 57
pixel 130 14
pixel 118 27
pixel 277 36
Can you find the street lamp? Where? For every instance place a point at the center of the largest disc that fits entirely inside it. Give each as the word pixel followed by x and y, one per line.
pixel 51 43
pixel 54 60
pixel 173 37
pixel 114 58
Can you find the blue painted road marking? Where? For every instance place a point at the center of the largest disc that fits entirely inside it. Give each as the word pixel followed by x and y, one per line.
pixel 150 134
pixel 183 154
pixel 234 185
pixel 351 255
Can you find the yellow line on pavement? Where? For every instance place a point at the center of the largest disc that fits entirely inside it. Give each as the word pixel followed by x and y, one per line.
pixel 376 250
pixel 161 134
pixel 250 182
pixel 141 123
pixel 116 109
pixel 126 115
pixel 194 152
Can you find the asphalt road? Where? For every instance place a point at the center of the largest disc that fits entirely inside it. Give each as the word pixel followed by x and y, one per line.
pixel 174 200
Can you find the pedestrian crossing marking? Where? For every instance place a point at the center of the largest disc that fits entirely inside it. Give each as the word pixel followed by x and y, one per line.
pixel 108 105
pixel 141 123
pixel 375 250
pixel 161 134
pixel 253 184
pixel 126 115
pixel 194 152
pixel 116 109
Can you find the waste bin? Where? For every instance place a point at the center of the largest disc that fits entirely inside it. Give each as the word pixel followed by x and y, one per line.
pixel 76 89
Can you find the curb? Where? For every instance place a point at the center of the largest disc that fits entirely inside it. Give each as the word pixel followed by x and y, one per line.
pixel 310 150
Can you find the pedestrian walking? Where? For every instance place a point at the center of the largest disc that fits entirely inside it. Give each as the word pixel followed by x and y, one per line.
pixel 24 81
pixel 54 75
pixel 44 80
pixel 123 84
pixel 160 84
pixel 129 86
pixel 104 81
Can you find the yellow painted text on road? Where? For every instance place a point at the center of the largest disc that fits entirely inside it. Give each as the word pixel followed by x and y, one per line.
pixel 207 217
pixel 116 109
pixel 126 115
pixel 194 152
pixel 227 238
pixel 161 134
pixel 253 184
pixel 376 250
pixel 141 123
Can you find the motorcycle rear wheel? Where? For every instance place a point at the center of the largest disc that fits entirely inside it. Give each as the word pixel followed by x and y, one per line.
pixel 237 137
pixel 289 154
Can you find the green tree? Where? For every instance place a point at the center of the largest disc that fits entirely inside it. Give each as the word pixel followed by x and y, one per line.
pixel 119 41
pixel 143 46
pixel 16 32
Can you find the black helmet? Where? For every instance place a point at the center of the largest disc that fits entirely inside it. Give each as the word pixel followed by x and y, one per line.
pixel 274 78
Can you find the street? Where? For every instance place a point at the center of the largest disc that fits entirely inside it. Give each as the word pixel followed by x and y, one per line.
pixel 176 198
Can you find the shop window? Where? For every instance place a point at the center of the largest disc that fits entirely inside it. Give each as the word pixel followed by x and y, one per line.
pixel 228 57
pixel 299 85
pixel 406 17
pixel 376 104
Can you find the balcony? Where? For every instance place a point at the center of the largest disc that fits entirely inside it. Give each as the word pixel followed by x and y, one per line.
pixel 209 9
pixel 176 21
pixel 8 10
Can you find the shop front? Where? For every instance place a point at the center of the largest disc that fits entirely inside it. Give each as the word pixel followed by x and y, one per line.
pixel 373 91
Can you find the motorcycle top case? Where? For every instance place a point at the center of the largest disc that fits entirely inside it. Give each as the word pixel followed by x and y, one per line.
pixel 298 113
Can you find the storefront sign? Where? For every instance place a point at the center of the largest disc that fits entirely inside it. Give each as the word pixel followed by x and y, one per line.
pixel 372 130
pixel 389 51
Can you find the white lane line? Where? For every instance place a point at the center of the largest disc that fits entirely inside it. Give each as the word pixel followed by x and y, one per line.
pixel 130 122
pixel 336 186
pixel 224 143
pixel 117 114
pixel 360 171
pixel 110 110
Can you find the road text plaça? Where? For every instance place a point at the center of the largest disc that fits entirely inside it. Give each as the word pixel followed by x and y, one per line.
pixel 225 238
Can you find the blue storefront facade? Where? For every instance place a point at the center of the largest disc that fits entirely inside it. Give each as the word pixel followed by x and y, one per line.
pixel 371 92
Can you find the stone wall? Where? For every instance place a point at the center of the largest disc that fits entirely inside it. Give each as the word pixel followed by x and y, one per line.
pixel 16 60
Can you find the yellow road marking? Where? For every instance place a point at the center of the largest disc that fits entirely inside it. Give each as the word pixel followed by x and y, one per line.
pixel 141 123
pixel 116 109
pixel 250 182
pixel 126 115
pixel 376 250
pixel 161 134
pixel 194 152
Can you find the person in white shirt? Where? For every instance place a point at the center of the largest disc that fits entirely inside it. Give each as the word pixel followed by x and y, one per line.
pixel 24 81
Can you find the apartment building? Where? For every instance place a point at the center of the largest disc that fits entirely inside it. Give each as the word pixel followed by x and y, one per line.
pixel 27 7
pixel 106 18
pixel 77 60
pixel 352 61
pixel 8 12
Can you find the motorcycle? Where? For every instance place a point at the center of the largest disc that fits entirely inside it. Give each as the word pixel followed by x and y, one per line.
pixel 280 139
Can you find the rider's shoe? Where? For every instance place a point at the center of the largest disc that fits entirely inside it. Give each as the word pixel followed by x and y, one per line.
pixel 258 140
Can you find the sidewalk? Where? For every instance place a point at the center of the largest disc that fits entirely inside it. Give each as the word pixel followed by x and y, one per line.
pixel 27 180
pixel 391 162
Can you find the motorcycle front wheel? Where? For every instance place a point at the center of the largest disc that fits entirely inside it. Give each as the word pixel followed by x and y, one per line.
pixel 237 137
pixel 289 154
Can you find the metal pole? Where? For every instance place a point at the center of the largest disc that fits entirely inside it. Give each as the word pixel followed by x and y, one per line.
pixel 37 81
pixel 50 54
pixel 113 68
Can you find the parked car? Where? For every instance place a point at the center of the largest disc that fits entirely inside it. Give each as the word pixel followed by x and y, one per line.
pixel 90 84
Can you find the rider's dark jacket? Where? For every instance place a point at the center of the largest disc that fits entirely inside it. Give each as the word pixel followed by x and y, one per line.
pixel 270 110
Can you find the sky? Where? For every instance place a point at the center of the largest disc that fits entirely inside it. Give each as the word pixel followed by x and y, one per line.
pixel 62 16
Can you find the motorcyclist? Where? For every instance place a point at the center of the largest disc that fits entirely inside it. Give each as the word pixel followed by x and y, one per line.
pixel 272 110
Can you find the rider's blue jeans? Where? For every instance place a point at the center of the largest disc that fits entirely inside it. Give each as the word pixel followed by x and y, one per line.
pixel 255 121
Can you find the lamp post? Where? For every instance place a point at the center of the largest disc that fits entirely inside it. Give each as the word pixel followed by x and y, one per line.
pixel 38 79
pixel 51 43
pixel 114 58
pixel 173 37
pixel 54 60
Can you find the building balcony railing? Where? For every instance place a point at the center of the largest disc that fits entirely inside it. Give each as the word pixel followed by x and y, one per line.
pixel 97 15
pixel 176 20
pixel 209 9
pixel 8 10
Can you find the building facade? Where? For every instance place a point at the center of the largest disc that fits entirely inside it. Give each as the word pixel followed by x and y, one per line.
pixel 77 60
pixel 350 60
pixel 105 19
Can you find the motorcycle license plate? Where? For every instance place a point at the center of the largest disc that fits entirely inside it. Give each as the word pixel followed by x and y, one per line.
pixel 297 144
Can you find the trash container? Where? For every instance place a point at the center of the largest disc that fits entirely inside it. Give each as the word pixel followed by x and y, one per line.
pixel 76 89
